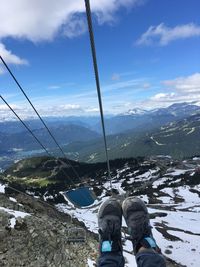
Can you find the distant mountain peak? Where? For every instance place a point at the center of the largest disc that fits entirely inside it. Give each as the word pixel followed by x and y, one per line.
pixel 135 111
pixel 197 103
pixel 181 105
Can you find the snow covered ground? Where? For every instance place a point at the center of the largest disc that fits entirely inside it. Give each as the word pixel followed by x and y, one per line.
pixel 177 231
pixel 173 204
pixel 2 188
pixel 15 214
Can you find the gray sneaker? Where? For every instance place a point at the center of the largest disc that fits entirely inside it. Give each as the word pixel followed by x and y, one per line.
pixel 137 219
pixel 109 222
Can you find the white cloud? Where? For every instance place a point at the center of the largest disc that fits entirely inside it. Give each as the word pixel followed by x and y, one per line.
pixel 39 20
pixel 134 83
pixel 10 58
pixel 67 110
pixel 5 107
pixel 163 35
pixel 75 27
pixel 162 96
pixel 70 107
pixel 25 112
pixel 189 84
pixel 43 20
pixel 180 89
pixel 92 110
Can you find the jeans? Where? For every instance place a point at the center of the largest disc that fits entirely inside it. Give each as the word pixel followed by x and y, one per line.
pixel 143 259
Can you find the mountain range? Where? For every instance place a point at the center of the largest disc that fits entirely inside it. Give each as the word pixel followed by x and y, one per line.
pixel 169 131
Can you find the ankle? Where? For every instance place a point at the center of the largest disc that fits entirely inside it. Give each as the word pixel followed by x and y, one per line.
pixel 110 246
pixel 148 244
pixel 143 249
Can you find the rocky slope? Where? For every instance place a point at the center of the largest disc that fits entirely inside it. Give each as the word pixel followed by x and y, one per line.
pixel 33 233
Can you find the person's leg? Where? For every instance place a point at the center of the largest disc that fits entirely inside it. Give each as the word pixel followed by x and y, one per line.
pixel 145 248
pixel 109 222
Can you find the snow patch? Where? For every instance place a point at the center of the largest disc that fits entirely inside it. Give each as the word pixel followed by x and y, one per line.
pixel 191 130
pixel 12 222
pixel 12 199
pixel 196 158
pixel 91 263
pixel 178 172
pixel 156 142
pixel 2 188
pixel 160 181
pixel 15 213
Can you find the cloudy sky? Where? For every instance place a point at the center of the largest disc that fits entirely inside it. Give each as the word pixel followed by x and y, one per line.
pixel 148 53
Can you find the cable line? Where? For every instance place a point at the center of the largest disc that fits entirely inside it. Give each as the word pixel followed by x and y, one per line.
pixel 95 65
pixel 43 122
pixel 35 137
pixel 30 131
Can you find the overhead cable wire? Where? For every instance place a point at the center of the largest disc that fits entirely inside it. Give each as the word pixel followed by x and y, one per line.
pixel 95 65
pixel 35 137
pixel 39 142
pixel 43 122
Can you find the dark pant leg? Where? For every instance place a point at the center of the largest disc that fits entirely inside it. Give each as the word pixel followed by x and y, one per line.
pixel 150 259
pixel 143 259
pixel 111 259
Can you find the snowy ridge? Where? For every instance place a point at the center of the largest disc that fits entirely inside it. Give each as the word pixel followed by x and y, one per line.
pixel 136 111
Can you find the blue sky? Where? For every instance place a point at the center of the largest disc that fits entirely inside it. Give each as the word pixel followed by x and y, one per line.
pixel 147 51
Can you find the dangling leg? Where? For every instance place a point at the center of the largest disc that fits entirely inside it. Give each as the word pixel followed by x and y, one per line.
pixel 109 222
pixel 145 248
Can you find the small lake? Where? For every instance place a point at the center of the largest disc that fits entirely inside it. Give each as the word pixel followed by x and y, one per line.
pixel 81 197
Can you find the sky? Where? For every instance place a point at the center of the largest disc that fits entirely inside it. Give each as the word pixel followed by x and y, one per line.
pixel 148 54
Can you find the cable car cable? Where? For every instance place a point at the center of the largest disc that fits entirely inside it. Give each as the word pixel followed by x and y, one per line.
pixel 43 122
pixel 30 131
pixel 95 65
pixel 35 137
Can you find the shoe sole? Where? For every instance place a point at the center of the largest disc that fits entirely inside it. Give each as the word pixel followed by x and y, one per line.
pixel 110 207
pixel 132 205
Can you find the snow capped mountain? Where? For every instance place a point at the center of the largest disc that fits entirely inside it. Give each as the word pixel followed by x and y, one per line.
pixel 181 109
pixel 197 103
pixel 176 109
pixel 136 111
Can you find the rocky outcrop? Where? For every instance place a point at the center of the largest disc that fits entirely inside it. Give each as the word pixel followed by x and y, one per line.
pixel 40 239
